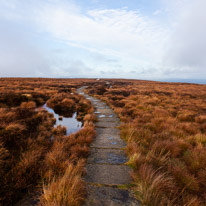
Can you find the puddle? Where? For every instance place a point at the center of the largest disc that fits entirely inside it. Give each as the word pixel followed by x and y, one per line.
pixel 102 115
pixel 113 143
pixel 109 137
pixel 71 123
pixel 110 116
pixel 97 112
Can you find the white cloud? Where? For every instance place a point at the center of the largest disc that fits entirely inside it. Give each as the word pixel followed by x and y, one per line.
pixel 115 41
pixel 128 36
pixel 157 12
pixel 116 32
pixel 81 70
pixel 187 46
pixel 18 56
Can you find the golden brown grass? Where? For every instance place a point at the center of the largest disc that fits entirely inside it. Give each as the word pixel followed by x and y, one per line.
pixel 32 152
pixel 164 125
pixel 152 187
pixel 67 189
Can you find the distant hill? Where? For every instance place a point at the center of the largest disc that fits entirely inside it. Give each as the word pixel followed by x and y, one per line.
pixel 195 81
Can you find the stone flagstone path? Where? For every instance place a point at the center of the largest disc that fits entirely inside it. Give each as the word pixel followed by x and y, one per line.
pixel 106 169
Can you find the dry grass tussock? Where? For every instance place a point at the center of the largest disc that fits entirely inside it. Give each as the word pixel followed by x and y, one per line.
pixel 164 125
pixel 66 190
pixel 152 187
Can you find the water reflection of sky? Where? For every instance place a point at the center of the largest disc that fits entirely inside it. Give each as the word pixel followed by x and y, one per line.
pixel 71 123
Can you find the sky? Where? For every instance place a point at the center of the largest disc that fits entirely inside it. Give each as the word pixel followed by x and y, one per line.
pixel 138 39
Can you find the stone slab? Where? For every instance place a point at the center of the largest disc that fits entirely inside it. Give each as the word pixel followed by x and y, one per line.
pixel 105 111
pixel 101 106
pixel 108 117
pixel 105 124
pixel 108 141
pixel 108 174
pixel 107 156
pixel 109 196
pixel 105 118
pixel 108 131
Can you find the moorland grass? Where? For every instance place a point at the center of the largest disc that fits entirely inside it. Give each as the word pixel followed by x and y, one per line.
pixel 33 154
pixel 164 125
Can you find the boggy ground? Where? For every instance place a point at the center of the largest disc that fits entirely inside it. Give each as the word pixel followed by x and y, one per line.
pixel 38 163
pixel 164 125
pixel 107 176
pixel 165 129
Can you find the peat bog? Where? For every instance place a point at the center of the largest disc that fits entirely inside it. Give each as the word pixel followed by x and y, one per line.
pixel 71 124
pixel 163 126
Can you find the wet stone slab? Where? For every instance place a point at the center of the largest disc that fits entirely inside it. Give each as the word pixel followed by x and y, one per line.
pixel 107 131
pixel 108 141
pixel 105 124
pixel 105 111
pixel 95 101
pixel 109 196
pixel 107 156
pixel 99 105
pixel 108 174
pixel 107 117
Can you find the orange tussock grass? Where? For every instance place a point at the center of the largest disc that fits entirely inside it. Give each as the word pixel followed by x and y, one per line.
pixel 66 190
pixel 28 154
pixel 153 188
pixel 164 125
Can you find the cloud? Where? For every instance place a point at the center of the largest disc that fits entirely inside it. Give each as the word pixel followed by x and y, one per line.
pixel 157 12
pixel 72 69
pixel 57 38
pixel 113 32
pixel 187 45
pixel 119 35
pixel 18 56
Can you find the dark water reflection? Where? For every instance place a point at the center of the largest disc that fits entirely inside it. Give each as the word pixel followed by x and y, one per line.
pixel 71 123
